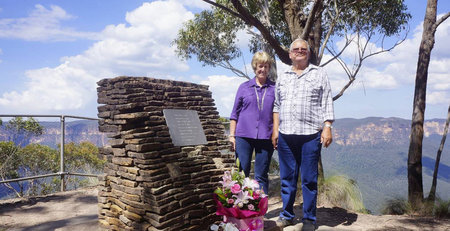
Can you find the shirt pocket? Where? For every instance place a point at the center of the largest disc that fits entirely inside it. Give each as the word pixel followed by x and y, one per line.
pixel 314 89
pixel 282 90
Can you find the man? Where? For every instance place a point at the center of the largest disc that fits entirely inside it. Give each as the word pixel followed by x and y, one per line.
pixel 302 115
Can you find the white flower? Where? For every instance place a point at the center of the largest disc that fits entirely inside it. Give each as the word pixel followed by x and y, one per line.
pixel 230 227
pixel 242 197
pixel 227 182
pixel 214 227
pixel 249 183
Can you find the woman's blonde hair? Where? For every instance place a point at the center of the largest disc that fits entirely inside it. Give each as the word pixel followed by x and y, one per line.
pixel 261 57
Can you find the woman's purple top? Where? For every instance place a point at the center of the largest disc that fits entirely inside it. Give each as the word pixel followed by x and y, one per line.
pixel 253 120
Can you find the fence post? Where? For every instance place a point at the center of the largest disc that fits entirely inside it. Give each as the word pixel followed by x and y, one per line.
pixel 62 153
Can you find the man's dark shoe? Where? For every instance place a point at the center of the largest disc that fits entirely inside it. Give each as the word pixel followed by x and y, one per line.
pixel 282 222
pixel 308 225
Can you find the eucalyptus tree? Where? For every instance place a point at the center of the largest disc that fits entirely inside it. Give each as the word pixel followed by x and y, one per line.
pixel 11 159
pixel 415 180
pixel 212 36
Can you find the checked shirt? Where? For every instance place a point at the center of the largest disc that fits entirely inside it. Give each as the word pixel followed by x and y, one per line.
pixel 304 102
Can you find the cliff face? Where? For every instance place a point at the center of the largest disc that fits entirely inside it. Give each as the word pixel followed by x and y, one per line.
pixel 374 130
pixel 75 131
pixel 347 132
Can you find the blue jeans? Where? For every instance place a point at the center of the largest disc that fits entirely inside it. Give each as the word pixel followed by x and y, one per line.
pixel 299 154
pixel 263 154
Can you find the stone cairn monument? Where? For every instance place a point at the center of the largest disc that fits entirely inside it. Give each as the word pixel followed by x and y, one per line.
pixel 149 183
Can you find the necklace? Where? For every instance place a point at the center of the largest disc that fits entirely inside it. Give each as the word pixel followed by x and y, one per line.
pixel 260 107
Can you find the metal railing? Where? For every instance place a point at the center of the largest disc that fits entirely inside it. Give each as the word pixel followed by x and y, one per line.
pixel 61 172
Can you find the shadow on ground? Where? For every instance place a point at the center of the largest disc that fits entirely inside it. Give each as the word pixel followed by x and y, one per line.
pixel 330 217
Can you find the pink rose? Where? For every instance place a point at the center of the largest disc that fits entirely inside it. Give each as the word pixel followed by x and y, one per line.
pixel 255 195
pixel 230 201
pixel 251 207
pixel 236 188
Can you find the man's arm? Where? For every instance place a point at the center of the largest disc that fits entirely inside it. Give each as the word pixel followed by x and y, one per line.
pixel 327 102
pixel 276 123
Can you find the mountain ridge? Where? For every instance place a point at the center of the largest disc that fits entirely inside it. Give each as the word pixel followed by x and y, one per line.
pixel 373 151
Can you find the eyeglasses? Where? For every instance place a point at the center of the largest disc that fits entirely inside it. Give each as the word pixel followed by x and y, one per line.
pixel 299 50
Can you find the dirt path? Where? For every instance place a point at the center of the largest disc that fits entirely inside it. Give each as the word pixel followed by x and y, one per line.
pixel 77 210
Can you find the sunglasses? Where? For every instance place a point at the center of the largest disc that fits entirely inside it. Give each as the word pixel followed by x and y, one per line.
pixel 299 50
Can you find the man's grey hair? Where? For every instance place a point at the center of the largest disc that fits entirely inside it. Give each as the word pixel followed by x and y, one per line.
pixel 298 40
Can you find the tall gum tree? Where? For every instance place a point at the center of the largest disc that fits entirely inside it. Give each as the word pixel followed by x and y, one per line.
pixel 273 24
pixel 415 183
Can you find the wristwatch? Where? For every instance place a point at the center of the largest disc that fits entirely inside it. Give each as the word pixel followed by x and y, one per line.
pixel 328 126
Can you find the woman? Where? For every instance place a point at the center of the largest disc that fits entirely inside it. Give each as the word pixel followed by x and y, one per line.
pixel 251 121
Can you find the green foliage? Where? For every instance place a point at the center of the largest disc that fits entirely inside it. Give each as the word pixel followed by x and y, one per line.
pixel 32 160
pixel 211 36
pixel 36 159
pixel 396 206
pixel 30 126
pixel 386 17
pixel 81 158
pixel 8 159
pixel 342 192
pixel 22 129
pixel 442 208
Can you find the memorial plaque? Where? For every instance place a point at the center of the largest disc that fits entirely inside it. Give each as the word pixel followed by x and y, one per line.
pixel 184 127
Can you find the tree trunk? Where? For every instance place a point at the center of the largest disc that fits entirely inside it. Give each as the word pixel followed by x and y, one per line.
pixel 432 195
pixel 415 184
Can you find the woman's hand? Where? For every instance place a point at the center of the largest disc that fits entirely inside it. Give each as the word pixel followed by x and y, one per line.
pixel 232 140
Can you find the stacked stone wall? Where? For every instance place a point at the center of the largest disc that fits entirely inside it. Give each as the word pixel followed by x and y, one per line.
pixel 148 183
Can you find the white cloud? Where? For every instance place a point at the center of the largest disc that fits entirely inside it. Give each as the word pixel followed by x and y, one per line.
pixel 142 48
pixel 438 97
pixel 64 87
pixel 396 68
pixel 223 89
pixel 42 25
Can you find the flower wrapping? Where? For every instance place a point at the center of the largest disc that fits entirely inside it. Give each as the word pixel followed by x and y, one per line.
pixel 239 213
pixel 247 224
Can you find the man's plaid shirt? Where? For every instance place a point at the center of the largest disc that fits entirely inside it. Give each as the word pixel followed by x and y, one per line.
pixel 304 102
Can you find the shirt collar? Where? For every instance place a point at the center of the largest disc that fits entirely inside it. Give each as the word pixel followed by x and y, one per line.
pixel 253 83
pixel 308 68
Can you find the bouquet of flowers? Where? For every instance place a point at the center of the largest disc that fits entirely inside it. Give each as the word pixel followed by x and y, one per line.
pixel 240 201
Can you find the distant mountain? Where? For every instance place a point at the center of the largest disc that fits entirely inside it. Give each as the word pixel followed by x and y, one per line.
pixel 75 131
pixel 373 151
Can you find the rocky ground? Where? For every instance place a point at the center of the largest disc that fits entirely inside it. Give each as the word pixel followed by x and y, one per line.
pixel 77 210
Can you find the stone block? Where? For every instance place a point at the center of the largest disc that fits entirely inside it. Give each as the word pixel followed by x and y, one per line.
pixel 123 161
pixel 125 220
pixel 132 216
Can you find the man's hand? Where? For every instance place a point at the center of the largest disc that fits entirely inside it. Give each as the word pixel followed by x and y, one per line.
pixel 326 138
pixel 274 139
pixel 276 124
pixel 233 143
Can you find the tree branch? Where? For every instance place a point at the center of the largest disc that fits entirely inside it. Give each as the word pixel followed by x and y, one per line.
pixel 336 55
pixel 310 20
pixel 224 8
pixel 442 19
pixel 283 55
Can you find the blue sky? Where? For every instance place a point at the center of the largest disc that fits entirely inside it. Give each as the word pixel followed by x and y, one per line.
pixel 52 53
